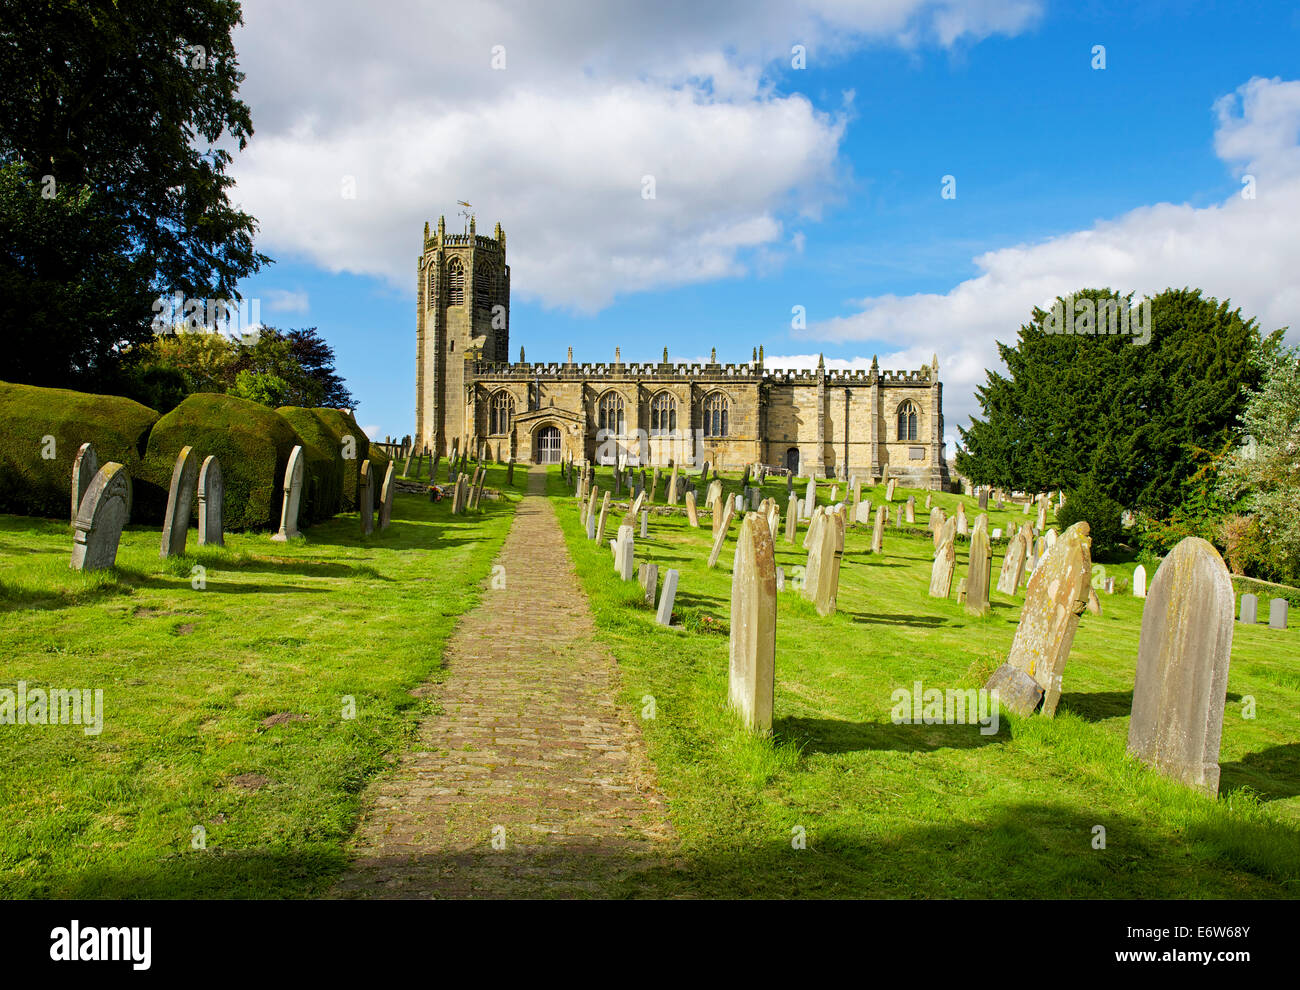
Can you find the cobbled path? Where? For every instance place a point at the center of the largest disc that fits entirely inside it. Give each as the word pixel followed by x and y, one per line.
pixel 530 782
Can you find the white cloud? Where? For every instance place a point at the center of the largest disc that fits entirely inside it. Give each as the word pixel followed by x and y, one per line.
pixel 595 95
pixel 286 301
pixel 1245 250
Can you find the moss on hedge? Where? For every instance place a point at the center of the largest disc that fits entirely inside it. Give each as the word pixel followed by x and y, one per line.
pixel 34 485
pixel 341 425
pixel 324 463
pixel 252 443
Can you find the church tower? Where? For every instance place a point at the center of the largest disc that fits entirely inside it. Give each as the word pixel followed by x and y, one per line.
pixel 463 303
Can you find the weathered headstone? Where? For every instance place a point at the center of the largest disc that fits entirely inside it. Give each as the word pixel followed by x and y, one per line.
pixel 945 561
pixel 212 491
pixel 979 572
pixel 937 521
pixel 863 514
pixel 752 669
pixel 1139 581
pixel 672 487
pixel 963 529
pixel 1042 516
pixel 720 537
pixel 293 496
pixel 649 577
pixel 180 499
pixel 366 499
pixel 878 533
pixel 105 509
pixel 1181 682
pixel 1277 613
pixel 692 516
pixel 1057 595
pixel 822 573
pixel 645 523
pixel 984 497
pixel 909 509
pixel 889 491
pixel 386 497
pixel 1249 610
pixel 1013 565
pixel 791 519
pixel 625 555
pixel 810 498
pixel 84 469
pixel 600 522
pixel 667 594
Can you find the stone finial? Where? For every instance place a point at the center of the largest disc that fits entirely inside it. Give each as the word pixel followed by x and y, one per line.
pixel 665 355
pixel 713 356
pixel 760 353
pixel 755 357
pixel 570 355
pixel 442 229
pixel 521 353
pixel 875 365
pixel 618 355
pixel 472 220
pixel 821 363
pixel 498 234
pixel 426 230
pixel 934 363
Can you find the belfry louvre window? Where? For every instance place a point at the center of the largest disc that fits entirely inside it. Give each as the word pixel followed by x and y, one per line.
pixel 663 413
pixel 501 412
pixel 432 296
pixel 907 421
pixel 485 285
pixel 715 415
pixel 455 283
pixel 610 414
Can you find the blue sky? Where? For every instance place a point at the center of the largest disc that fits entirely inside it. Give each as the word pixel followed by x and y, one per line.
pixel 775 187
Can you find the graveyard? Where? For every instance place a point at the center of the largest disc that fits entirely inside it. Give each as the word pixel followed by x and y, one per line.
pixel 263 690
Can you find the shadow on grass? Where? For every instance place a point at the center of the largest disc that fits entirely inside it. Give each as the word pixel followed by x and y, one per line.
pixel 880 618
pixel 1023 850
pixel 828 735
pixel 1271 774
pixel 1097 706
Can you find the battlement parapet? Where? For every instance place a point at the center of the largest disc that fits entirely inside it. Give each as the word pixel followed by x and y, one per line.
pixel 464 240
pixel 676 372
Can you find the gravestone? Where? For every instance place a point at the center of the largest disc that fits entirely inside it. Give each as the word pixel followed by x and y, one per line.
pixel 1042 516
pixel 835 494
pixel 909 508
pixel 180 497
pixel 1057 595
pixel 856 487
pixel 591 526
pixel 672 487
pixel 720 537
pixel 625 554
pixel 366 499
pixel 715 514
pixel 664 613
pixel 406 467
pixel 1249 610
pixel 1181 682
pixel 928 500
pixel 963 529
pixel 212 490
pixel 878 534
pixel 105 508
pixel 937 520
pixel 810 498
pixel 863 516
pixel 386 497
pixel 961 591
pixel 1277 612
pixel 1094 603
pixel 600 523
pixel 84 469
pixel 1139 581
pixel 791 519
pixel 889 491
pixel 808 536
pixel 293 496
pixel 654 485
pixel 780 579
pixel 649 577
pixel 789 485
pixel 984 497
pixel 645 523
pixel 510 470
pixel 692 516
pixel 945 561
pixel 979 572
pixel 822 574
pixel 751 677
pixel 1013 565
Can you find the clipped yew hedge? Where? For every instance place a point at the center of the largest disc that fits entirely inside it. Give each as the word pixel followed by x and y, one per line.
pixel 35 485
pixel 252 443
pixel 341 425
pixel 323 489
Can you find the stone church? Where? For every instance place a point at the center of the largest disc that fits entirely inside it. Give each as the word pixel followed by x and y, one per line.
pixel 813 422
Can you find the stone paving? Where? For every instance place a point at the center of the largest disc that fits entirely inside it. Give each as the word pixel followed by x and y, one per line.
pixel 530 781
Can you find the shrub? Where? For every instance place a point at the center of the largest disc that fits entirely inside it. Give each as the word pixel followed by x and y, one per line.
pixel 341 425
pixel 1242 543
pixel 1088 502
pixel 324 463
pixel 33 485
pixel 252 443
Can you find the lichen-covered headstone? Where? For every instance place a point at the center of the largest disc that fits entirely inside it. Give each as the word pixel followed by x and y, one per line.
pixel 672 486
pixel 979 572
pixel 752 670
pixel 600 522
pixel 963 528
pixel 180 500
pixel 649 575
pixel 366 499
pixel 822 573
pixel 937 521
pixel 664 613
pixel 1057 595
pixel 212 492
pixel 692 516
pixel 1182 668
pixel 1013 565
pixel 84 468
pixel 945 561
pixel 386 497
pixel 909 509
pixel 720 537
pixel 104 510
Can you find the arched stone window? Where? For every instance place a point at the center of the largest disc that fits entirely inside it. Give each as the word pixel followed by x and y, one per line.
pixel 455 283
pixel 716 410
pixel 501 412
pixel 485 284
pixel 432 296
pixel 907 421
pixel 663 413
pixel 610 415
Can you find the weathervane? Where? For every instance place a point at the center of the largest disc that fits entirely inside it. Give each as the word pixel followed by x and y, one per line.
pixel 465 213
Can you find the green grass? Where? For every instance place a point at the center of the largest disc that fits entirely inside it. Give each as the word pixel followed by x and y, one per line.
pixel 191 676
pixel 932 810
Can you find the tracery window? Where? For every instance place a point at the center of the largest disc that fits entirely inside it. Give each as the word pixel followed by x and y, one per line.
pixel 907 419
pixel 716 409
pixel 485 284
pixel 610 415
pixel 663 413
pixel 501 412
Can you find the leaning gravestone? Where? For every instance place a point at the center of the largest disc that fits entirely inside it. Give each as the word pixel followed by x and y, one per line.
pixel 791 519
pixel 672 487
pixel 386 498
pixel 909 508
pixel 937 522
pixel 1182 668
pixel 180 496
pixel 1249 610
pixel 692 516
pixel 1277 610
pixel 889 491
pixel 1139 581
pixel 979 572
pixel 945 561
pixel 293 496
pixel 84 469
pixel 1057 595
pixel 751 676
pixel 212 490
pixel 720 537
pixel 963 528
pixel 1013 565
pixel 664 613
pixel 366 499
pixel 878 534
pixel 600 523
pixel 104 510
pixel 822 575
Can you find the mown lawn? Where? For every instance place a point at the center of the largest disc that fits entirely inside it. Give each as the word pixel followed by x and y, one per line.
pixel 924 811
pixel 224 708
